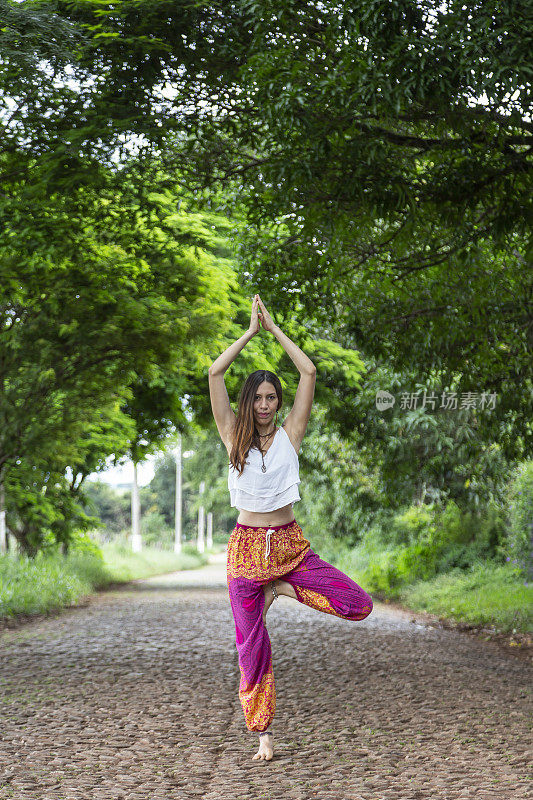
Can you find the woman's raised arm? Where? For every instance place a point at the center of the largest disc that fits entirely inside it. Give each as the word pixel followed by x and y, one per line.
pixel 303 363
pixel 222 411
pixel 298 417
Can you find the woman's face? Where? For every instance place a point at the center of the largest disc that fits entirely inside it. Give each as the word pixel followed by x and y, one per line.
pixel 265 403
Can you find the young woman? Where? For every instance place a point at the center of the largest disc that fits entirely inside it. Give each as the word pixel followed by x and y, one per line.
pixel 267 552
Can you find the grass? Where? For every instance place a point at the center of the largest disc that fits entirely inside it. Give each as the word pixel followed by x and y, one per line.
pixel 488 594
pixel 124 565
pixel 53 581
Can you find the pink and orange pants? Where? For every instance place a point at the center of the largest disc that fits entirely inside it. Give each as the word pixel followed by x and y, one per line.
pixel 256 556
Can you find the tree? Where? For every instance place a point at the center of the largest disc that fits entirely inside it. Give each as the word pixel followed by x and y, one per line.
pixel 382 152
pixel 109 300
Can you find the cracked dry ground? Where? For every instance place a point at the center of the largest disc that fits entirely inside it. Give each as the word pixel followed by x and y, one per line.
pixel 135 696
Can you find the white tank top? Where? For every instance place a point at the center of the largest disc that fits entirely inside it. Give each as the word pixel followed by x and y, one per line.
pixel 255 490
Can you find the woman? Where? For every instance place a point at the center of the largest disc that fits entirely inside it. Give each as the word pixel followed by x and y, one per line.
pixel 267 552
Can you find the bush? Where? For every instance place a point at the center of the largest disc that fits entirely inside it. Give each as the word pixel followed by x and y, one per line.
pixel 423 541
pixel 405 552
pixel 413 526
pixel 417 562
pixel 189 549
pixel 466 538
pixel 82 542
pixel 155 532
pixel 486 594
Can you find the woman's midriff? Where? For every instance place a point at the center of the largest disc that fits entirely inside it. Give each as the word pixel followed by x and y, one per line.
pixel 256 554
pixel 281 516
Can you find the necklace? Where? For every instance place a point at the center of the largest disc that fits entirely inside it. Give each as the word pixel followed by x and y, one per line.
pixel 265 436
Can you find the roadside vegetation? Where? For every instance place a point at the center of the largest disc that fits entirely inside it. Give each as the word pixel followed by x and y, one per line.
pixel 53 580
pixel 472 568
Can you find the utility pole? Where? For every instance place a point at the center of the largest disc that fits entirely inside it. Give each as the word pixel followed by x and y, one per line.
pixel 177 508
pixel 136 541
pixel 209 542
pixel 200 546
pixel 3 534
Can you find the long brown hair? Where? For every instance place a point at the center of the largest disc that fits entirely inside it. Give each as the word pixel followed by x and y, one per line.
pixel 245 434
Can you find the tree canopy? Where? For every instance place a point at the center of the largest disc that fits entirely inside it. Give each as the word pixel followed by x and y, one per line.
pixel 381 153
pixel 366 167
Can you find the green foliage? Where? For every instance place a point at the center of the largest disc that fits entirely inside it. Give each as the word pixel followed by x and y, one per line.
pixel 46 583
pixel 485 594
pixel 368 459
pixel 518 547
pixel 339 491
pixel 111 508
pixel 51 580
pixel 422 541
pixel 382 194
pixel 39 54
pixel 468 538
pixel 388 570
pixel 43 508
pixel 189 549
pixel 426 454
pixel 375 201
pixel 155 531
pixel 414 526
pixel 388 201
pixel 83 544
pixel 110 301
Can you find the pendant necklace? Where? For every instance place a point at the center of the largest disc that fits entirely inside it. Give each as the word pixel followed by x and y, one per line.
pixel 262 436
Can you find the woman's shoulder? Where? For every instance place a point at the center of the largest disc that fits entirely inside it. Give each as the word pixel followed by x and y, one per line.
pixel 293 439
pixel 228 440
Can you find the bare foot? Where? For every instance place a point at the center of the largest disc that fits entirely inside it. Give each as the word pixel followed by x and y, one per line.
pixel 266 750
pixel 282 587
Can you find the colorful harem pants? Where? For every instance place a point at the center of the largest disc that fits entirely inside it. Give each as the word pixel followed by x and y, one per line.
pixel 256 556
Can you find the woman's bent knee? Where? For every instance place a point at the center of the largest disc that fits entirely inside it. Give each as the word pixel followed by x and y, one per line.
pixel 361 608
pixel 368 606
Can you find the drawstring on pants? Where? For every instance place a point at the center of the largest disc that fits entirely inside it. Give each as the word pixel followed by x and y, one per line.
pixel 269 533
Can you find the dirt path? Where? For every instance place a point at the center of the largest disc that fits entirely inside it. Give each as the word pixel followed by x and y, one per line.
pixel 135 697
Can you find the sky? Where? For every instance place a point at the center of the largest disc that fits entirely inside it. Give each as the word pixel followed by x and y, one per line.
pixel 124 474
